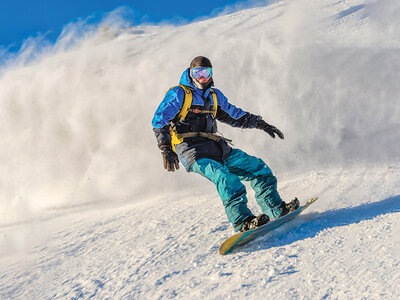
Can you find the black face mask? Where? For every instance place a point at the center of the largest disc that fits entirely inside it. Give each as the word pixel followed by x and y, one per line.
pixel 203 86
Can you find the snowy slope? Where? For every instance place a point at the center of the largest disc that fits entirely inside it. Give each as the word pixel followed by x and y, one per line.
pixel 86 210
pixel 338 249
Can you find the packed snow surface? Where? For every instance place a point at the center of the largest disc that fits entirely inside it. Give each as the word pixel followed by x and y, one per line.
pixel 87 210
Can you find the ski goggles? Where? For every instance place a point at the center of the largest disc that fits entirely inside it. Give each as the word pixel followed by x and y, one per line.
pixel 204 72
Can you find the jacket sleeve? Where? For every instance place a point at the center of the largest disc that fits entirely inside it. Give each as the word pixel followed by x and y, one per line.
pixel 234 116
pixel 166 112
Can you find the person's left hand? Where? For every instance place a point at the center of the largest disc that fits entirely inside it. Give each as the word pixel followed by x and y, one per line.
pixel 271 130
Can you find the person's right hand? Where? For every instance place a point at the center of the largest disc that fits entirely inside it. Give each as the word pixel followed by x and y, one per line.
pixel 171 161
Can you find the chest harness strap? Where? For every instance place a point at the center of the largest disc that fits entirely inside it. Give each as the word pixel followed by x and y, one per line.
pixel 177 138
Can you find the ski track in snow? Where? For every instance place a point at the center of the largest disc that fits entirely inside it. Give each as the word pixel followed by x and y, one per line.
pixel 98 218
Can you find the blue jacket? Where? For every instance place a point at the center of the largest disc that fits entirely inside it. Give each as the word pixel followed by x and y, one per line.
pixel 193 149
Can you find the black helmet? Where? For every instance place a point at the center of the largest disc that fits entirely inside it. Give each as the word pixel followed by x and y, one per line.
pixel 200 61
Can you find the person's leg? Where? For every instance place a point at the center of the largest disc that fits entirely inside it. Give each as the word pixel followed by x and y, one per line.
pixel 229 187
pixel 264 183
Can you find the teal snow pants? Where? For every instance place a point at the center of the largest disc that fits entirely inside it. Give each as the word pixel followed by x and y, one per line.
pixel 227 177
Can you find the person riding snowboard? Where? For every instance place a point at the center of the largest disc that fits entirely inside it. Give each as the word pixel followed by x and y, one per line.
pixel 186 130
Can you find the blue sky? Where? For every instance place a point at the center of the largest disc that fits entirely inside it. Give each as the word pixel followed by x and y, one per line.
pixel 20 19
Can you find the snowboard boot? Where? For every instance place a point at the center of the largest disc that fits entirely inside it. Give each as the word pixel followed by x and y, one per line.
pixel 253 222
pixel 289 207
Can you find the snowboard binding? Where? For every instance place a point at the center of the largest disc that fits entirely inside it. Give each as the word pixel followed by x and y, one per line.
pixel 253 222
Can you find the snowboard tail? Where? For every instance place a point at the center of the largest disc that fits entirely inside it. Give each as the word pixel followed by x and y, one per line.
pixel 243 238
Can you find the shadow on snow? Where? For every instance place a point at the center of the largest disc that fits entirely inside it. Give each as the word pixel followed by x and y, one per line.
pixel 318 222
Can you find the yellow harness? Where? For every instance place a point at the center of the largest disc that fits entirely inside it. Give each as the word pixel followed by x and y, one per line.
pixel 177 138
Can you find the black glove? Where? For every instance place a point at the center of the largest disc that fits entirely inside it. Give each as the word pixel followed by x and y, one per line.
pixel 170 158
pixel 271 130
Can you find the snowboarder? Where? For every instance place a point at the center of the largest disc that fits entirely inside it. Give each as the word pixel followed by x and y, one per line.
pixel 186 130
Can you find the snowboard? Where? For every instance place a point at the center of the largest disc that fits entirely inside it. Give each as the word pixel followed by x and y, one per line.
pixel 243 238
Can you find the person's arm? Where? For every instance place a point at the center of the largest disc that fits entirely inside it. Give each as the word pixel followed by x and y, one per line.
pixel 165 113
pixel 236 117
pixel 232 115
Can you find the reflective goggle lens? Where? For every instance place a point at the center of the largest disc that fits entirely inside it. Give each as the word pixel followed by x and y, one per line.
pixel 204 72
